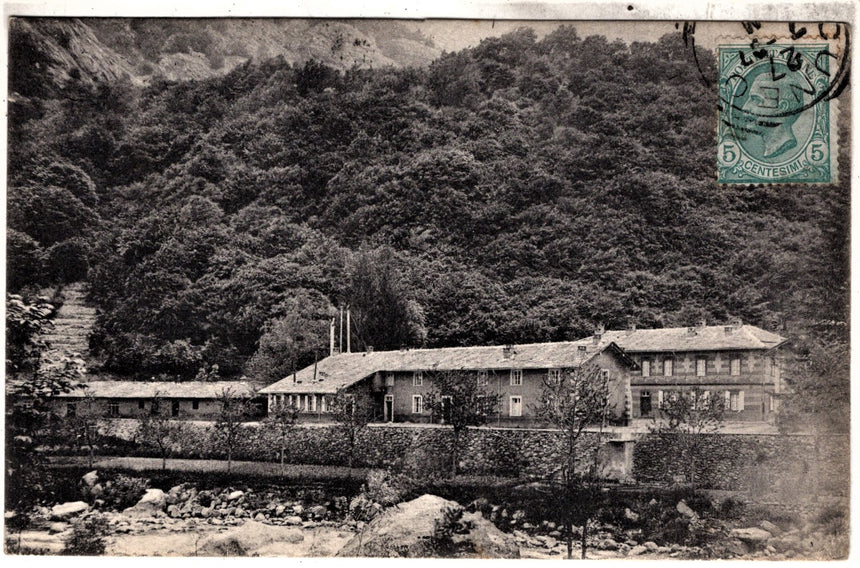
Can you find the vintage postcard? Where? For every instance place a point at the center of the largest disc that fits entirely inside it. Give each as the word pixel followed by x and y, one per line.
pixel 538 281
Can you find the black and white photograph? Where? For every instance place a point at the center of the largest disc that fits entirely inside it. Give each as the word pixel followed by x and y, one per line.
pixel 540 283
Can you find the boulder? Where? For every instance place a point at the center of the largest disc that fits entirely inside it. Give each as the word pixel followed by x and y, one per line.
pixel 637 550
pixel 406 530
pixel 90 478
pixel 751 535
pixel 607 544
pixel 235 495
pixel 64 511
pixel 247 538
pixel 279 510
pixel 651 546
pixel 631 515
pixel 685 510
pixel 58 527
pixel 318 512
pixel 174 511
pixel 293 520
pixel 259 517
pixel 770 527
pixel 152 502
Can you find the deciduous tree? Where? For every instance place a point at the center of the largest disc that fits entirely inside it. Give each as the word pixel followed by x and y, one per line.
pixel 576 399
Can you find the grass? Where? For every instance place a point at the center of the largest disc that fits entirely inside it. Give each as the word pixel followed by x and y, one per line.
pixel 288 472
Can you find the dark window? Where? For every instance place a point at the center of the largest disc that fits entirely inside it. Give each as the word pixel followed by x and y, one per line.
pixel 113 409
pixel 174 408
pixel 195 405
pixel 645 403
pixel 71 409
pixel 141 405
pixel 154 408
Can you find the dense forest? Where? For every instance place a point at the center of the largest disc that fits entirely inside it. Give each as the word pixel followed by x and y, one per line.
pixel 522 190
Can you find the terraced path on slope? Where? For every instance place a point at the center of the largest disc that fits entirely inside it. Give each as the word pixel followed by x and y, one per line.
pixel 72 324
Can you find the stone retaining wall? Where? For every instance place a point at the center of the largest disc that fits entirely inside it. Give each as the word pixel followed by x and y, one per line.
pixel 765 466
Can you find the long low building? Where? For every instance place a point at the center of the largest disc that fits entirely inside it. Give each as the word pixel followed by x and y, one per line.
pixel 398 381
pixel 129 399
pixel 737 362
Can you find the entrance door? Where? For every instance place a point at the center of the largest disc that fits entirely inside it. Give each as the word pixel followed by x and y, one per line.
pixel 389 408
pixel 174 408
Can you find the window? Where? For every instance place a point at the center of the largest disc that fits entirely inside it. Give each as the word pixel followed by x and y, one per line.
pixel 604 374
pixel 174 408
pixel 446 409
pixel 516 377
pixel 195 404
pixel 483 378
pixel 668 367
pixel 516 406
pixel 389 379
pixel 645 403
pixel 113 409
pixel 701 367
pixel 417 379
pixel 153 408
pixel 141 405
pixel 313 398
pixel 71 409
pixel 646 368
pixel 735 400
pixel 735 366
pixel 553 376
pixel 417 404
pixel 323 402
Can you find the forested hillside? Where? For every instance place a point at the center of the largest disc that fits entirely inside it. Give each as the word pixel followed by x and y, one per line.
pixel 523 190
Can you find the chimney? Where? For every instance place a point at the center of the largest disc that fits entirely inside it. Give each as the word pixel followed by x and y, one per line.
pixel 702 323
pixel 691 330
pixel 370 348
pixel 631 328
pixel 737 323
pixel 598 333
pixel 348 331
pixel 507 351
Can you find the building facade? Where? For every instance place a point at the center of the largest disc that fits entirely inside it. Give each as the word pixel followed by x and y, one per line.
pixel 399 382
pixel 192 400
pixel 736 362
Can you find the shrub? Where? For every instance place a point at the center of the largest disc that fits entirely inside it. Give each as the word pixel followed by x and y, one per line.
pixel 833 520
pixel 123 491
pixel 442 540
pixel 88 538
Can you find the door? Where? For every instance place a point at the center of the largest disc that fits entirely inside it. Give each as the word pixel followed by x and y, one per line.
pixel 174 408
pixel 389 408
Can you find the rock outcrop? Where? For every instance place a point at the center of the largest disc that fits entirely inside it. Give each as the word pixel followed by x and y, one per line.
pixel 412 530
pixel 247 539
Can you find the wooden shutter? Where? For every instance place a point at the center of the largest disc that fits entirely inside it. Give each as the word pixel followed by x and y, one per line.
pixel 728 400
pixel 740 400
pixel 659 397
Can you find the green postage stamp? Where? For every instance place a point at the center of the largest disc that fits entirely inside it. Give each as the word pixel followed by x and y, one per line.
pixel 776 116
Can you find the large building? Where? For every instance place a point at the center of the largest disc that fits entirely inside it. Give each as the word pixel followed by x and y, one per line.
pixel 737 362
pixel 399 381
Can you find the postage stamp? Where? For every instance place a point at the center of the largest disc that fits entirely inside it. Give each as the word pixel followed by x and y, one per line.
pixel 776 117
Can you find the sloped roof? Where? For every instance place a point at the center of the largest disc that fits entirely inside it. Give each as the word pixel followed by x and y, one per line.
pixel 339 371
pixel 162 389
pixel 707 338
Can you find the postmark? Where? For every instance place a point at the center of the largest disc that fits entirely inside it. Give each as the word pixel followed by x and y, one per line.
pixel 776 113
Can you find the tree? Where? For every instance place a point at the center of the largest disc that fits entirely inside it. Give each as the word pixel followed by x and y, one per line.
pixel 156 430
pixel 229 426
pixel 281 420
pixel 577 398
pixel 458 400
pixel 352 413
pixel 81 429
pixel 32 385
pixel 685 417
pixel 383 315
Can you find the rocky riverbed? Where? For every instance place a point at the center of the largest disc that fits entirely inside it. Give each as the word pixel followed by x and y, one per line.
pixel 227 521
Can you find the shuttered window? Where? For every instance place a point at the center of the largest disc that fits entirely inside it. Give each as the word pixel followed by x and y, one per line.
pixel 646 368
